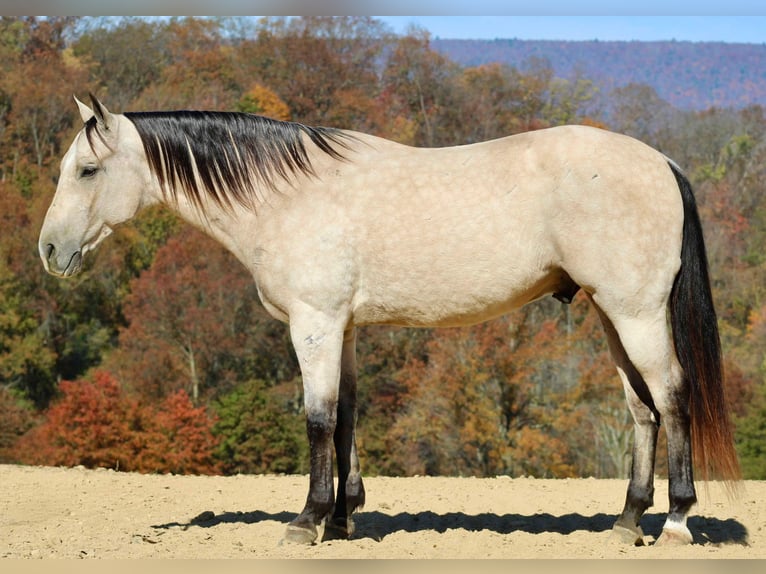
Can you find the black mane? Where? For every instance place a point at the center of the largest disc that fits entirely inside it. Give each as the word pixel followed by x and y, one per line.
pixel 226 156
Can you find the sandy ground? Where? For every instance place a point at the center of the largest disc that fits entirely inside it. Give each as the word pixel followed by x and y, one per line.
pixel 79 513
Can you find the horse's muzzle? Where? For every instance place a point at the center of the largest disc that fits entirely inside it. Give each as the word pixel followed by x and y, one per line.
pixel 58 263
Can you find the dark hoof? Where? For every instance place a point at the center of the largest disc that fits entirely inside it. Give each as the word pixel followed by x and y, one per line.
pixel 338 529
pixel 295 534
pixel 629 535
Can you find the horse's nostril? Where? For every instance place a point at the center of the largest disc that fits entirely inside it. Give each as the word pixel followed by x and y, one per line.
pixel 49 251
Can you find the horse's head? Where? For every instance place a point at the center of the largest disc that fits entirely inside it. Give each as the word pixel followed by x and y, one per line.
pixel 104 181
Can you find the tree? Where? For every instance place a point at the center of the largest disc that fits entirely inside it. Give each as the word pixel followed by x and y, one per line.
pixel 17 416
pixel 467 402
pixel 26 363
pixel 194 323
pixel 416 84
pixel 26 360
pixel 637 110
pixel 491 96
pixel 182 315
pixel 750 396
pixel 90 425
pixel 261 100
pixel 197 69
pixel 40 111
pixel 323 67
pixel 179 438
pixel 534 83
pixel 95 424
pixel 568 100
pixel 124 59
pixel 751 439
pixel 257 432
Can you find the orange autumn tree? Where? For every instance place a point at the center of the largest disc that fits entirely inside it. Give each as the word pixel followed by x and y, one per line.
pixel 474 406
pixel 261 100
pixel 181 438
pixel 534 393
pixel 96 424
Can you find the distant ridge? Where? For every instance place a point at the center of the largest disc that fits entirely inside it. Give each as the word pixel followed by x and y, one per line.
pixel 688 75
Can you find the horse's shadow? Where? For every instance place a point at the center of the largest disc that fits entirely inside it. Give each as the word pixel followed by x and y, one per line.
pixel 377 525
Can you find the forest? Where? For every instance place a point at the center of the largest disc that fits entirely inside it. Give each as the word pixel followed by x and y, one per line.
pixel 689 75
pixel 154 359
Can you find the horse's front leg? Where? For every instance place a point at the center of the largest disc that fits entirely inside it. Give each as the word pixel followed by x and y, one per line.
pixel 318 341
pixel 350 488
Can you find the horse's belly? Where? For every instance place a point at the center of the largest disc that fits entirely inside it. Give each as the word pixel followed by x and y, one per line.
pixel 462 301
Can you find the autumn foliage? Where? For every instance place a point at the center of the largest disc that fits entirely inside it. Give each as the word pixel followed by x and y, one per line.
pixel 95 424
pixel 159 358
pixel 261 100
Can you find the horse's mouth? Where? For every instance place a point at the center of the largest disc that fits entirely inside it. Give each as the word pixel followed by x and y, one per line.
pixel 74 266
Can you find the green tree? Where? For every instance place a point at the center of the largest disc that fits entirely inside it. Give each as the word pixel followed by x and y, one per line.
pixel 569 100
pixel 17 416
pixel 258 433
pixel 751 439
pixel 750 409
pixel 27 363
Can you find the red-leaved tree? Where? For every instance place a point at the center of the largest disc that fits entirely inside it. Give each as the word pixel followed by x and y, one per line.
pixel 95 424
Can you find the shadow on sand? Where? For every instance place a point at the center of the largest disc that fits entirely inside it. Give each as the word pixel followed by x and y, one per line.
pixel 377 525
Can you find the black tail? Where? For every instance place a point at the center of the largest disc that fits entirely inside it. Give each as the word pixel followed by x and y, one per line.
pixel 698 347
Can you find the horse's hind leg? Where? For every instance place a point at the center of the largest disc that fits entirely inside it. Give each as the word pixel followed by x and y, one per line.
pixel 640 494
pixel 350 488
pixel 646 340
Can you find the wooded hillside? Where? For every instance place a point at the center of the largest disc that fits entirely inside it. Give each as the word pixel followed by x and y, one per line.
pixel 689 75
pixel 154 359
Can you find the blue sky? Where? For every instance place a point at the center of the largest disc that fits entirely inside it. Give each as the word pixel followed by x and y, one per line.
pixel 730 21
pixel 748 29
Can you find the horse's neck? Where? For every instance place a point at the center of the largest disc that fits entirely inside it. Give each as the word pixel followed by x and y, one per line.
pixel 223 225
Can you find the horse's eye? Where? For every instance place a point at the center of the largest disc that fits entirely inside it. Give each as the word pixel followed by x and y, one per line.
pixel 88 171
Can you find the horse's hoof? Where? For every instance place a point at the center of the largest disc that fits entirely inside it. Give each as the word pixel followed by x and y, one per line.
pixel 338 529
pixel 675 535
pixel 300 535
pixel 628 535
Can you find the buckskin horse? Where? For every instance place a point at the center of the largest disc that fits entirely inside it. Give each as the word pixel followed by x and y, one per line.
pixel 341 229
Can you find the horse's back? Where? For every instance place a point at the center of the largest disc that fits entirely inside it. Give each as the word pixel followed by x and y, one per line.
pixel 458 235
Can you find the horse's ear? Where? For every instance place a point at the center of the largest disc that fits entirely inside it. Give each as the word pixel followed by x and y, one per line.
pixel 104 117
pixel 85 112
